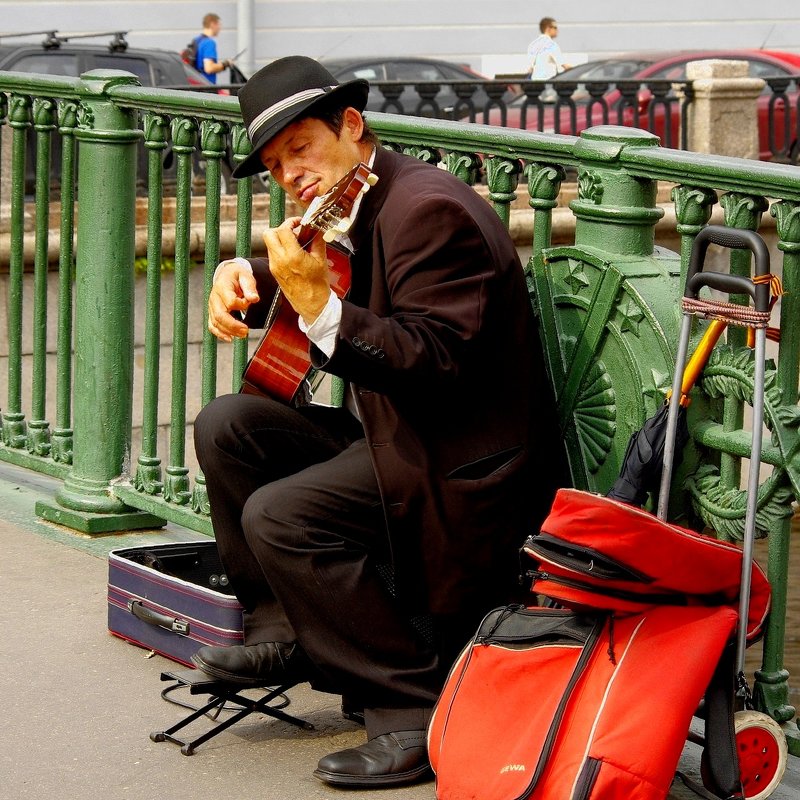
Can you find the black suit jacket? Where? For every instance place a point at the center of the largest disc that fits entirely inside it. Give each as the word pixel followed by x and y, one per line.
pixel 438 338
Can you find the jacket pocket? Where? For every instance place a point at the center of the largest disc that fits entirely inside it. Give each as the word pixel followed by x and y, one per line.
pixel 486 466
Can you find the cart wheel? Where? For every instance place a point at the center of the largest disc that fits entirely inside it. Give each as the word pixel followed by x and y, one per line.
pixel 158 736
pixel 187 750
pixel 763 752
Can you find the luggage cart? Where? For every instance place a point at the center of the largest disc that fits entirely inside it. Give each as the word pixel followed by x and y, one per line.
pixel 761 745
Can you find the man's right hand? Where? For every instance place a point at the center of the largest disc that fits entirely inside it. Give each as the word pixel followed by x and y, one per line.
pixel 233 291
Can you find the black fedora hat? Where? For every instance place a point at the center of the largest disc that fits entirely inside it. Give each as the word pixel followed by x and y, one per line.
pixel 279 93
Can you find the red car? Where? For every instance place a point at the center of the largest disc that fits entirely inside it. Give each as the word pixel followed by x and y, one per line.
pixel 608 92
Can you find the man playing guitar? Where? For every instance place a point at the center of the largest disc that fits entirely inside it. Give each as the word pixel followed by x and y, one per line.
pixel 341 527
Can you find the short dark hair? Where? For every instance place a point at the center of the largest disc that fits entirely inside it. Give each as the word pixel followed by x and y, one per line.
pixel 545 23
pixel 210 18
pixel 332 115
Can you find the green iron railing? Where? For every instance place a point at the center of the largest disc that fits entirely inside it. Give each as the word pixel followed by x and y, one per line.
pixel 608 304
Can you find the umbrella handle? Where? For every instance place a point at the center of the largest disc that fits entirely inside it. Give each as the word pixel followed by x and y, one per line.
pixel 700 356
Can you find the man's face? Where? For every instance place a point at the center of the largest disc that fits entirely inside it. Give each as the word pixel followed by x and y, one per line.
pixel 552 31
pixel 307 158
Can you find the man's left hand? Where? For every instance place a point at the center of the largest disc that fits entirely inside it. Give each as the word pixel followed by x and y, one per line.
pixel 303 275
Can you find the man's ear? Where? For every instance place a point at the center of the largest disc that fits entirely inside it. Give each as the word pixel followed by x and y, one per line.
pixel 353 124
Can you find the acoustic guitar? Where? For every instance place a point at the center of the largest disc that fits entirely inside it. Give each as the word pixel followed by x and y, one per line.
pixel 280 366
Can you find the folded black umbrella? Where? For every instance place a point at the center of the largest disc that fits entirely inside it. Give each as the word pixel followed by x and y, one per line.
pixel 644 458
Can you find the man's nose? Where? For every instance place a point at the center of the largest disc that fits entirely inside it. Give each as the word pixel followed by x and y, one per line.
pixel 293 174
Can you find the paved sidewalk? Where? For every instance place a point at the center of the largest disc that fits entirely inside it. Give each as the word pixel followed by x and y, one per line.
pixel 80 703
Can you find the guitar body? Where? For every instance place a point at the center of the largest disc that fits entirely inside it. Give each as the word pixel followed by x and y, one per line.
pixel 280 364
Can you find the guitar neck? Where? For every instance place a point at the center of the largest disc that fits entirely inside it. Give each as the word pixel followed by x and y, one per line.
pixel 331 215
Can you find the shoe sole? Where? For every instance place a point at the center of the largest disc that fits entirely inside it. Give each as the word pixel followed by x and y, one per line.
pixel 400 779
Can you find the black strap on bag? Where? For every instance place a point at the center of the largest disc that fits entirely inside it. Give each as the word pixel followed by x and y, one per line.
pixel 720 701
pixel 695 787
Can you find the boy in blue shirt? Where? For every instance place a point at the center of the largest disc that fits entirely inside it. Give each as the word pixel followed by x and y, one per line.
pixel 206 60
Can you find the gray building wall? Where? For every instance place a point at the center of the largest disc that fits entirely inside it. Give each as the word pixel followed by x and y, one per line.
pixel 491 37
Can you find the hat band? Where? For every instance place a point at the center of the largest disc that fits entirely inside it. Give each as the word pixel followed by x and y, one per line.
pixel 277 108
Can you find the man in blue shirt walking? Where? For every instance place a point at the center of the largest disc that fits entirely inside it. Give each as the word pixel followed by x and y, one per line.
pixel 206 60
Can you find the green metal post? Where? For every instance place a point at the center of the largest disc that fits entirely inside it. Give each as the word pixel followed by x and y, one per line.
pixel 212 144
pixel 240 145
pixel 741 211
pixel 465 166
pixel 14 427
pixel 692 211
pixel 148 469
pixel 544 186
pixel 502 177
pixel 771 689
pixel 614 211
pixel 176 480
pixel 62 435
pixel 107 136
pixel 44 123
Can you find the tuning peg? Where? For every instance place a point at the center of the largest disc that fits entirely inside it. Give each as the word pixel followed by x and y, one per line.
pixel 342 226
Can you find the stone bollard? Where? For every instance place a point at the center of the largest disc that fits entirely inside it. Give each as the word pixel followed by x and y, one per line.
pixel 723 117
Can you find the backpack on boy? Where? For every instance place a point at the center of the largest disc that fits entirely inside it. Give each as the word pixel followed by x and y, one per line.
pixel 189 53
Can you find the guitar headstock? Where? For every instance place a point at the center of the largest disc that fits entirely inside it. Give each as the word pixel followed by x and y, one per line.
pixel 330 213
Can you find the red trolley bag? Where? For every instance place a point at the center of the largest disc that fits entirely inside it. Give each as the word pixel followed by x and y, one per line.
pixel 552 704
pixel 535 710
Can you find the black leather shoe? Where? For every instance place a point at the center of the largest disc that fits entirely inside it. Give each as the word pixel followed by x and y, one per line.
pixel 392 759
pixel 269 663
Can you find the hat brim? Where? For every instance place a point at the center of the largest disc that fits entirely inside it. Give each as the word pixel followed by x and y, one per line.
pixel 353 93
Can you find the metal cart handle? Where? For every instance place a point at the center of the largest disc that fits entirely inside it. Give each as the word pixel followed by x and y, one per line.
pixel 735 239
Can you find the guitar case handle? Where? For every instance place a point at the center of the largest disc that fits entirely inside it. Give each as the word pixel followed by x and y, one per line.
pixel 158 620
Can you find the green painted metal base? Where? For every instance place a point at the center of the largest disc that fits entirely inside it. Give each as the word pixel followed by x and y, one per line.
pixel 179 514
pixel 87 522
pixel 22 458
pixel 792 737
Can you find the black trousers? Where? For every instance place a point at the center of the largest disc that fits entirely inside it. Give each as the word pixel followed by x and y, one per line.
pixel 301 532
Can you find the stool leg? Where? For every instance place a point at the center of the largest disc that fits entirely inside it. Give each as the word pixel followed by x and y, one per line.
pixel 160 736
pixel 222 696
